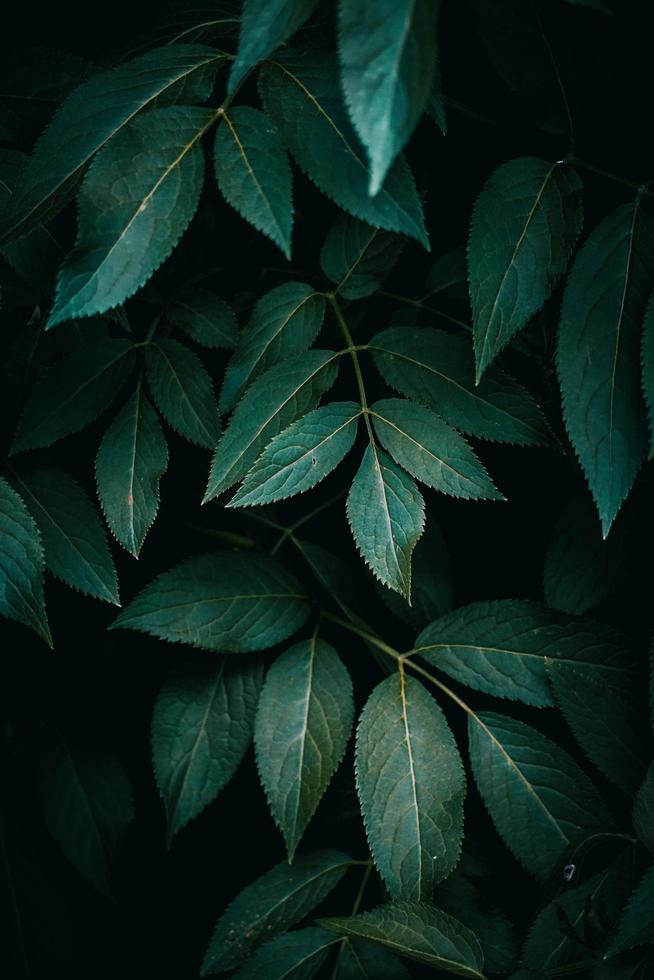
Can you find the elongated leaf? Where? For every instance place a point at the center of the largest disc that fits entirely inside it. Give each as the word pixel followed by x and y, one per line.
pixel 284 393
pixel 386 513
pixel 435 106
pixel 73 393
pixel 284 322
pixel 301 455
pixel 538 797
pixel 270 905
pixel 74 543
pixel 637 926
pixel 201 727
pixel 647 363
pixel 93 114
pixel 227 602
pixel 300 93
pixel 183 391
pixel 302 727
pixel 431 581
pixel 253 173
pixel 204 317
pixel 358 257
pixel 295 956
pixel 411 787
pixel 86 801
pixel 387 52
pixel 435 368
pixel 418 931
pixel 21 565
pixel 524 227
pixel 644 810
pixel 265 24
pixel 598 354
pixel 502 648
pixel 128 227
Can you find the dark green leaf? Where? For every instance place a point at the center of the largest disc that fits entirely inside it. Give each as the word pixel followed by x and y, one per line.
pixel 647 360
pixel 448 271
pixel 431 581
pixel 21 565
pixel 363 961
pixel 358 257
pixel 637 926
pixel 644 810
pixel 183 391
pixel 265 24
pixel 295 956
pixel 204 317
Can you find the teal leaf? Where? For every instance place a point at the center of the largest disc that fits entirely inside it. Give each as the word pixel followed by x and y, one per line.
pixel 359 960
pixel 387 52
pixel 598 354
pixel 294 956
pixel 232 603
pixel 253 173
pixel 201 728
pixel 358 257
pixel 431 581
pixel 183 391
pixel 73 393
pixel 303 724
pixel 637 925
pixel 435 106
pixel 644 810
pixel 386 514
pixel 132 458
pixel 270 905
pixel 284 322
pixel 647 364
pixel 264 26
pixel 74 542
pixel 301 95
pixel 412 806
pixel 21 565
pixel 206 318
pixel 135 202
pixel 301 455
pixel 537 796
pixel 524 226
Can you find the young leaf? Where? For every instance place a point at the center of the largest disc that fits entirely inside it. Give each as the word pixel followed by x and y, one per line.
pixel 127 227
pixel 253 173
pixel 73 393
pixel 284 393
pixel 301 455
pixel 93 114
pixel 201 727
pixel 204 317
pixel 284 322
pixel 386 513
pixel 132 458
pixel 411 787
pixel 637 926
pixel 301 94
pixel 362 961
pixel 21 565
pixel 74 543
pixel 539 799
pixel 295 956
pixel 358 257
pixel 436 368
pixel 183 391
pixel 644 810
pixel 303 724
pixel 264 26
pixel 598 354
pixel 430 450
pixel 524 227
pixel 270 905
pixel 387 52
pixel 420 932
pixel 232 603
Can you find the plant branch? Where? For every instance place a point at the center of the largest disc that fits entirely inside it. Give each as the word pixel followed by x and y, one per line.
pixel 353 349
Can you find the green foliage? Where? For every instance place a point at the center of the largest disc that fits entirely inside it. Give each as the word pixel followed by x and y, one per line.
pixel 182 391
pixel 21 565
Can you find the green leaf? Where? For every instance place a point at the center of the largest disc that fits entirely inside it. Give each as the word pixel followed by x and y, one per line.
pixel 74 543
pixel 73 393
pixel 420 932
pixel 229 602
pixel 603 306
pixel 412 809
pixel 201 728
pixel 183 391
pixel 637 926
pixel 387 52
pixel 86 802
pixel 644 810
pixel 264 26
pixel 647 364
pixel 21 565
pixel 436 368
pixel 301 455
pixel 301 95
pixel 204 317
pixel 524 227
pixel 284 393
pixel 302 728
pixel 430 450
pixel 431 581
pixel 363 961
pixel 538 797
pixel 132 458
pixel 448 271
pixel 358 257
pixel 295 956
pixel 270 905
pixel 435 106
pixel 502 648
pixel 136 201
pixel 386 513
pixel 93 114
pixel 284 322
pixel 254 174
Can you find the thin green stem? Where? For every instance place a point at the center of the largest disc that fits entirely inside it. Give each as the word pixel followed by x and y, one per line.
pixel 353 349
pixel 288 532
pixel 420 305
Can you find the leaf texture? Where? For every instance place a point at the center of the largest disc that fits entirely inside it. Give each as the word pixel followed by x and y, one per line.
pixel 296 955
pixel 21 565
pixel 206 318
pixel 183 391
pixel 358 257
pixel 264 26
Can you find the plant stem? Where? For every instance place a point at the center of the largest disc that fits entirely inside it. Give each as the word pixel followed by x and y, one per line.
pixel 288 532
pixel 420 305
pixel 353 351
pixel 593 169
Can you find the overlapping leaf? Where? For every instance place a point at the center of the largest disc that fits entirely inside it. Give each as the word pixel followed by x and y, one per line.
pixel 21 565
pixel 264 26
pixel 204 316
pixel 297 955
pixel 357 257
pixel 183 391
